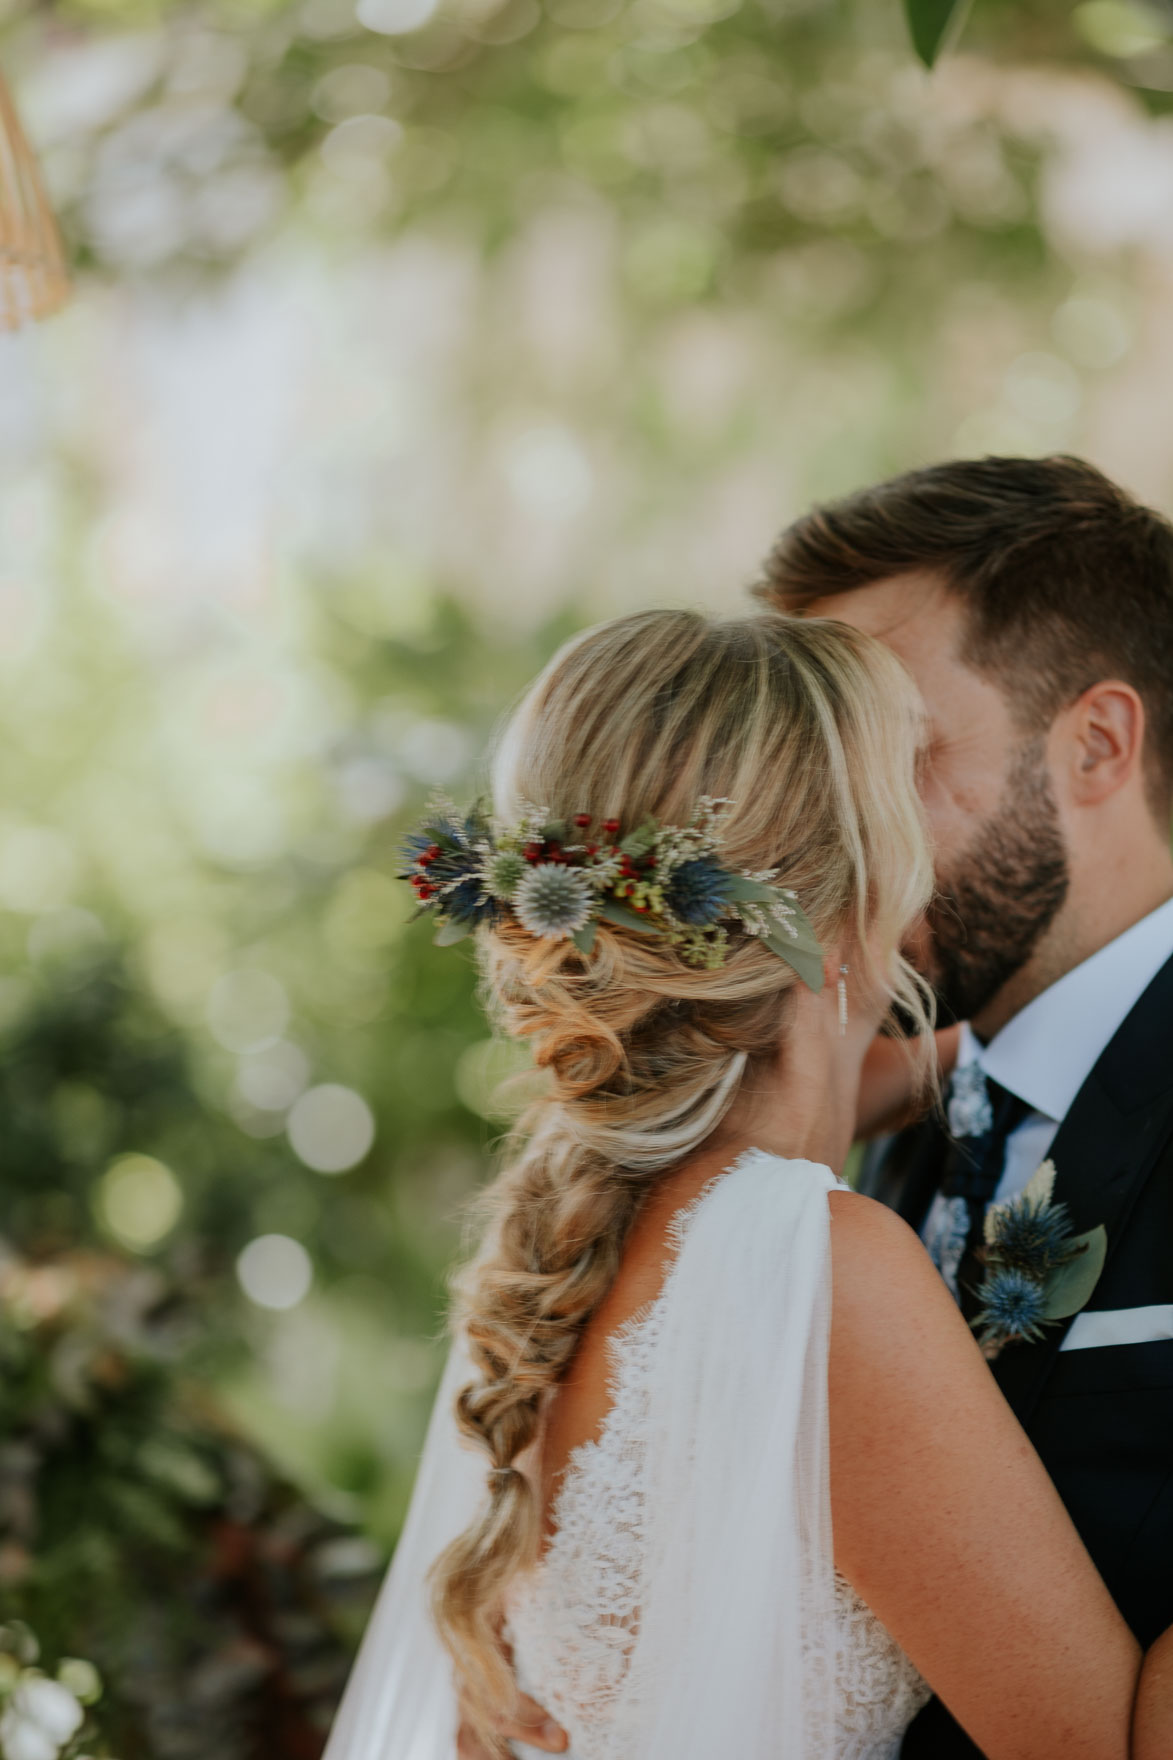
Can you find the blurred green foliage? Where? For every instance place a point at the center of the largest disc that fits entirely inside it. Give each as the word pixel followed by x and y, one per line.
pixel 135 1035
pixel 139 1524
pixel 219 1608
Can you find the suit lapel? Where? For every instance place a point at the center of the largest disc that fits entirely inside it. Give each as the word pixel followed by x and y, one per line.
pixel 1103 1153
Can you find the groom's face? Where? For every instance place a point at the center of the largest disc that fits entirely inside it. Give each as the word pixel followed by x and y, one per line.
pixel 999 852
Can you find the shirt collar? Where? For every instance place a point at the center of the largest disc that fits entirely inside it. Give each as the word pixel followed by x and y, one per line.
pixel 1048 1050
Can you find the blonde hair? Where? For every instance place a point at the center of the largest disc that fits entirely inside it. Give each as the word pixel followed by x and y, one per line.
pixel 812 729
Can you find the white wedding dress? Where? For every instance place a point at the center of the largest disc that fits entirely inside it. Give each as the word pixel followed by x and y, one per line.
pixel 687 1604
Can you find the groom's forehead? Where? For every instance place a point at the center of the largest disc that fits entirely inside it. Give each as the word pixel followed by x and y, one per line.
pixel 924 621
pixel 918 615
pixel 918 608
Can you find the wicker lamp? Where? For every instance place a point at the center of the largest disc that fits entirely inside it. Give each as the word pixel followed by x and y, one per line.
pixel 33 280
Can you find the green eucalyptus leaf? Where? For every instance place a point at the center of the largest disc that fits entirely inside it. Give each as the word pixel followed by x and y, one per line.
pixel 804 936
pixel 611 911
pixel 742 889
pixel 933 24
pixel 1069 1289
pixel 555 831
pixel 806 960
pixel 451 931
pixel 584 938
pixel 641 841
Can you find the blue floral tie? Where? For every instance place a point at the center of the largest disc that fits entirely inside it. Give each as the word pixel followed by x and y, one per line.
pixel 974 1161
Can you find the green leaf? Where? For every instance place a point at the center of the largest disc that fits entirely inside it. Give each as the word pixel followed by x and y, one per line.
pixel 933 24
pixel 640 841
pixel 806 961
pixel 555 831
pixel 611 911
pixel 584 938
pixel 742 889
pixel 1069 1289
pixel 450 932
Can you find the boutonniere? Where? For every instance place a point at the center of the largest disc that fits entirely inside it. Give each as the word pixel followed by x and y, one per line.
pixel 1037 1271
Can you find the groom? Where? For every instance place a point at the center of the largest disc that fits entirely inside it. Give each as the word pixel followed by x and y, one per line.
pixel 1033 602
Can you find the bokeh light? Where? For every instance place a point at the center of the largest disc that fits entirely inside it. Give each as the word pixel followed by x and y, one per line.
pixel 247 1010
pixel 331 1128
pixel 275 1271
pixel 139 1200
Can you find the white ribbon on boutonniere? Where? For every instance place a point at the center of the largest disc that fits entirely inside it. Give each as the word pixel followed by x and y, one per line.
pixel 1036 1271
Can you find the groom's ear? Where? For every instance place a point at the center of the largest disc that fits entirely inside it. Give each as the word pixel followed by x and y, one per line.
pixel 1104 741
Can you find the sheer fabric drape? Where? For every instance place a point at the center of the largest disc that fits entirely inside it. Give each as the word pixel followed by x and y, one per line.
pixel 735 1648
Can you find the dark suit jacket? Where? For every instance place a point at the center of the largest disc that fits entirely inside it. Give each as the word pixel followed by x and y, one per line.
pixel 1102 1418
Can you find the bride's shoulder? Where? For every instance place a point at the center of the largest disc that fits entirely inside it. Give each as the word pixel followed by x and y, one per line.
pixel 884 1286
pixel 865 1233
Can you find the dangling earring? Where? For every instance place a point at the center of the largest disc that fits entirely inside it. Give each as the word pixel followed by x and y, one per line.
pixel 842 987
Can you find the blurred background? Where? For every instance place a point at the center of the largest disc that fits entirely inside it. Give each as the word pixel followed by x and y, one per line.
pixel 406 337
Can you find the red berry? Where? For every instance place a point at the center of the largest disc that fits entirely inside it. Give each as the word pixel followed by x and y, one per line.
pixel 424 890
pixel 649 861
pixel 426 860
pixel 532 852
pixel 592 849
pixel 582 820
pixel 611 827
pixel 432 851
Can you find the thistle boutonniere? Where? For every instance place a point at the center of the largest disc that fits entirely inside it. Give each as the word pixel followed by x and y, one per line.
pixel 1037 1271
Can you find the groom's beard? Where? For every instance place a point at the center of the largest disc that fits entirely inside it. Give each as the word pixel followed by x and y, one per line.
pixel 990 913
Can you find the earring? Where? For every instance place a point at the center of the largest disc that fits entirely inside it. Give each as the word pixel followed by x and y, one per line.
pixel 842 988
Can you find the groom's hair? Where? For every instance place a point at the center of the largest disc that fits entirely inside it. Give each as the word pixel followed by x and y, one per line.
pixel 1066 579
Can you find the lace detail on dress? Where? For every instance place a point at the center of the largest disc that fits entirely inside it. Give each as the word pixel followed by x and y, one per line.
pixel 573 1617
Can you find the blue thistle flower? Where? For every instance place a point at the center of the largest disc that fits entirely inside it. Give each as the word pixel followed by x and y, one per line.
pixel 468 903
pixel 1012 1305
pixel 1030 1235
pixel 698 892
pixel 552 900
pixel 441 853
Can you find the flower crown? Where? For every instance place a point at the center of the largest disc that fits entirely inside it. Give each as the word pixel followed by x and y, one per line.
pixel 561 878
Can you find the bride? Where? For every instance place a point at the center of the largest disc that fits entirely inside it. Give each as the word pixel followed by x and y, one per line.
pixel 717 1468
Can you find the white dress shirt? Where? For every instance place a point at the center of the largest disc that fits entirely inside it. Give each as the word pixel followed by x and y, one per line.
pixel 1046 1053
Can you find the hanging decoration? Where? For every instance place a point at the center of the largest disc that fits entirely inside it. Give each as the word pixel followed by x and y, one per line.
pixel 33 278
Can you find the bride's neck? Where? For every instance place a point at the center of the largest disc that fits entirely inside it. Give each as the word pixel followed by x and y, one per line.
pixel 803 1104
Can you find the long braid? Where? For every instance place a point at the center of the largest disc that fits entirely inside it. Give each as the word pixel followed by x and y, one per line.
pixel 632 1095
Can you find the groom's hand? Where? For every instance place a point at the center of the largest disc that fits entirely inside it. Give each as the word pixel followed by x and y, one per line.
pixel 526 1722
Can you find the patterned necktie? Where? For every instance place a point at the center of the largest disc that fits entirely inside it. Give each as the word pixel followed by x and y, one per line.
pixel 974 1164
